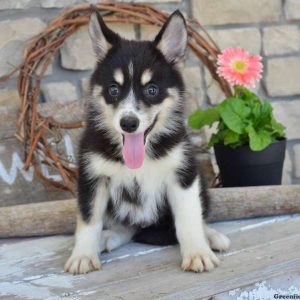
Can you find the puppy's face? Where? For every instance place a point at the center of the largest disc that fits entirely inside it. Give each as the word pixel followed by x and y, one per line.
pixel 136 84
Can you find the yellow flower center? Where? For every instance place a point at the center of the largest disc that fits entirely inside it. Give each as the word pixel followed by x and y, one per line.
pixel 239 66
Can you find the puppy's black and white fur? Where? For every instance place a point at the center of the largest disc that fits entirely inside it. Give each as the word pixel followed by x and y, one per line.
pixel 136 88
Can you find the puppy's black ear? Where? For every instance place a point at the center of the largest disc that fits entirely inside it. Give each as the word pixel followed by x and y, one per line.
pixel 172 38
pixel 102 37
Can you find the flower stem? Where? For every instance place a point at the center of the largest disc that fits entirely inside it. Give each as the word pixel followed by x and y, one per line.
pixel 238 90
pixel 235 91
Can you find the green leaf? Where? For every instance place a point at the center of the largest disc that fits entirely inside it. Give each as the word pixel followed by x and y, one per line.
pixel 250 99
pixel 215 138
pixel 277 128
pixel 231 138
pixel 247 95
pixel 200 118
pixel 262 114
pixel 234 113
pixel 266 108
pixel 258 140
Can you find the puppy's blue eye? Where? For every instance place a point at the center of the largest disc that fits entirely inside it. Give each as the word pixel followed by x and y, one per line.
pixel 114 90
pixel 151 90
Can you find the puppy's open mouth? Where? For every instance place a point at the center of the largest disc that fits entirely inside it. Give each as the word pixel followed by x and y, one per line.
pixel 134 147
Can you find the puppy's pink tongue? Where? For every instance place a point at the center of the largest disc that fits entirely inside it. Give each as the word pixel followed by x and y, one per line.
pixel 134 150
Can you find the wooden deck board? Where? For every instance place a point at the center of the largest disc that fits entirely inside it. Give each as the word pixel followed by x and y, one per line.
pixel 287 284
pixel 262 249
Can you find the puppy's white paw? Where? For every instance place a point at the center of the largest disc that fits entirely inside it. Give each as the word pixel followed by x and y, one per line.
pixel 82 264
pixel 218 241
pixel 200 260
pixel 113 242
pixel 109 241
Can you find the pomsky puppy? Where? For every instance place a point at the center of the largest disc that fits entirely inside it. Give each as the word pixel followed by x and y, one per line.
pixel 138 178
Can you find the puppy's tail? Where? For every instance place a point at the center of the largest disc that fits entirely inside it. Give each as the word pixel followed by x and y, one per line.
pixel 156 235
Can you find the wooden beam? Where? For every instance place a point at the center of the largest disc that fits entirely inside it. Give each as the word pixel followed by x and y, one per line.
pixel 38 219
pixel 58 217
pixel 248 202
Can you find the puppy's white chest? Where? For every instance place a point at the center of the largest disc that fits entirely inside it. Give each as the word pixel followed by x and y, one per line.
pixel 137 198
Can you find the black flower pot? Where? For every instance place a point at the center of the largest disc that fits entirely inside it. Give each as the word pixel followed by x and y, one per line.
pixel 243 167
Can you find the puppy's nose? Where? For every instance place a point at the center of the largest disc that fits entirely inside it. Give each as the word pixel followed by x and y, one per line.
pixel 129 124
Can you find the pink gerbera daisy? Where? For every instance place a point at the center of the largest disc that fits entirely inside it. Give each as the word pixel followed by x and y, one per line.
pixel 239 67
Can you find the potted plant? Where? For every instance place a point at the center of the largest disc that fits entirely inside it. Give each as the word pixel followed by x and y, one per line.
pixel 249 143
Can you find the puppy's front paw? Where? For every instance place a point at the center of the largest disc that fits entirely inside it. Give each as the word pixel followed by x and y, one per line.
pixel 83 264
pixel 199 261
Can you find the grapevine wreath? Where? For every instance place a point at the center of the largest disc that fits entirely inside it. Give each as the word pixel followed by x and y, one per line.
pixel 39 132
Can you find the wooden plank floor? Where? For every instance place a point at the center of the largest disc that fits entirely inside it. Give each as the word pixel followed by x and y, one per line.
pixel 264 259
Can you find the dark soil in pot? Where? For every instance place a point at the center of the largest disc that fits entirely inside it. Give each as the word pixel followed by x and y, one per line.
pixel 243 167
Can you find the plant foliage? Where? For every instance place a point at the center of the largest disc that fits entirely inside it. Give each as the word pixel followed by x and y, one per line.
pixel 242 120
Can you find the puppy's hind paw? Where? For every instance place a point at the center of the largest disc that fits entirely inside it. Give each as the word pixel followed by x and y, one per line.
pixel 219 241
pixel 199 261
pixel 82 264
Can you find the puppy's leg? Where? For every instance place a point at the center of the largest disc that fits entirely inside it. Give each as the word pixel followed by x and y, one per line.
pixel 186 206
pixel 92 205
pixel 217 240
pixel 115 237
